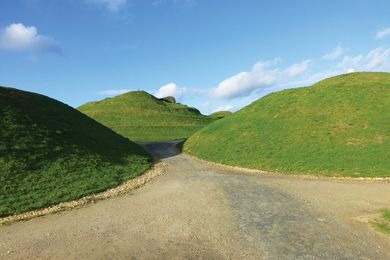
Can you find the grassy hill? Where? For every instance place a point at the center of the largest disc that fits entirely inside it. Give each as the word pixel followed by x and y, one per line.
pixel 337 127
pixel 143 117
pixel 50 152
pixel 220 114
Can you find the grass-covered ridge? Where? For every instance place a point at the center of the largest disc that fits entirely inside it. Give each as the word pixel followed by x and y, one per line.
pixel 337 127
pixel 143 117
pixel 50 152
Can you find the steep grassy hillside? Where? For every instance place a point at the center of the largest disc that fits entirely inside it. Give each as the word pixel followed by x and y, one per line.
pixel 220 114
pixel 143 117
pixel 50 152
pixel 337 127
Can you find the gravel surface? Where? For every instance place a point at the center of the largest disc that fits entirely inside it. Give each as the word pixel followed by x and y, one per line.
pixel 200 211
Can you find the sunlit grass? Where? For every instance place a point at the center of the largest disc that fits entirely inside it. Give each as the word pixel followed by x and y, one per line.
pixel 338 127
pixel 140 116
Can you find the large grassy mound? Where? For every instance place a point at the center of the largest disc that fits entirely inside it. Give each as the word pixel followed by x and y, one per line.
pixel 143 117
pixel 50 152
pixel 337 127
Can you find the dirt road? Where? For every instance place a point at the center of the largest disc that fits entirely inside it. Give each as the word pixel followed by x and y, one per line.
pixel 197 210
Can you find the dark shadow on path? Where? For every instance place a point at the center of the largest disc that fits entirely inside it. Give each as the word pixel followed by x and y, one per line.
pixel 162 149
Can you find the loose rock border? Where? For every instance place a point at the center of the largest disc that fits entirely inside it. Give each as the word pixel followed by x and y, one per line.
pixel 279 174
pixel 157 170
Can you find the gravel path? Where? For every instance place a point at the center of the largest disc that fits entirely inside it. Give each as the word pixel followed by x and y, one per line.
pixel 197 210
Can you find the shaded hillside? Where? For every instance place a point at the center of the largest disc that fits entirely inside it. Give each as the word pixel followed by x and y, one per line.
pixel 50 152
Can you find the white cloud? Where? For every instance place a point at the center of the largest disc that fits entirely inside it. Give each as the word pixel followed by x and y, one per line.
pixel 263 75
pixel 298 68
pixel 113 6
pixel 378 59
pixel 383 33
pixel 21 38
pixel 270 76
pixel 350 62
pixel 266 77
pixel 170 89
pixel 113 92
pixel 334 54
pixel 224 108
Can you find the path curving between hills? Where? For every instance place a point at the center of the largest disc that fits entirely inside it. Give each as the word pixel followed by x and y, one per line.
pixel 200 211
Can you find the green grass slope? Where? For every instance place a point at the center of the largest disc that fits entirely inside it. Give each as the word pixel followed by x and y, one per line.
pixel 50 152
pixel 337 127
pixel 143 117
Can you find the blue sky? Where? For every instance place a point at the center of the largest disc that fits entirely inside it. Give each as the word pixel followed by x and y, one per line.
pixel 215 54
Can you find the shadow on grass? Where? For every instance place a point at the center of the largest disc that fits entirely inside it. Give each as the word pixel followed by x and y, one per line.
pixel 163 149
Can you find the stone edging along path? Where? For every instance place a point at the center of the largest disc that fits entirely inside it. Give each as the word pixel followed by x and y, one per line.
pixel 156 170
pixel 303 176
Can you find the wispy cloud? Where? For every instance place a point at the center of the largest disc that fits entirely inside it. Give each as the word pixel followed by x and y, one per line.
pixel 113 92
pixel 378 59
pixel 170 89
pixel 383 33
pixel 224 108
pixel 18 37
pixel 334 54
pixel 270 76
pixel 263 74
pixel 350 62
pixel 113 6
